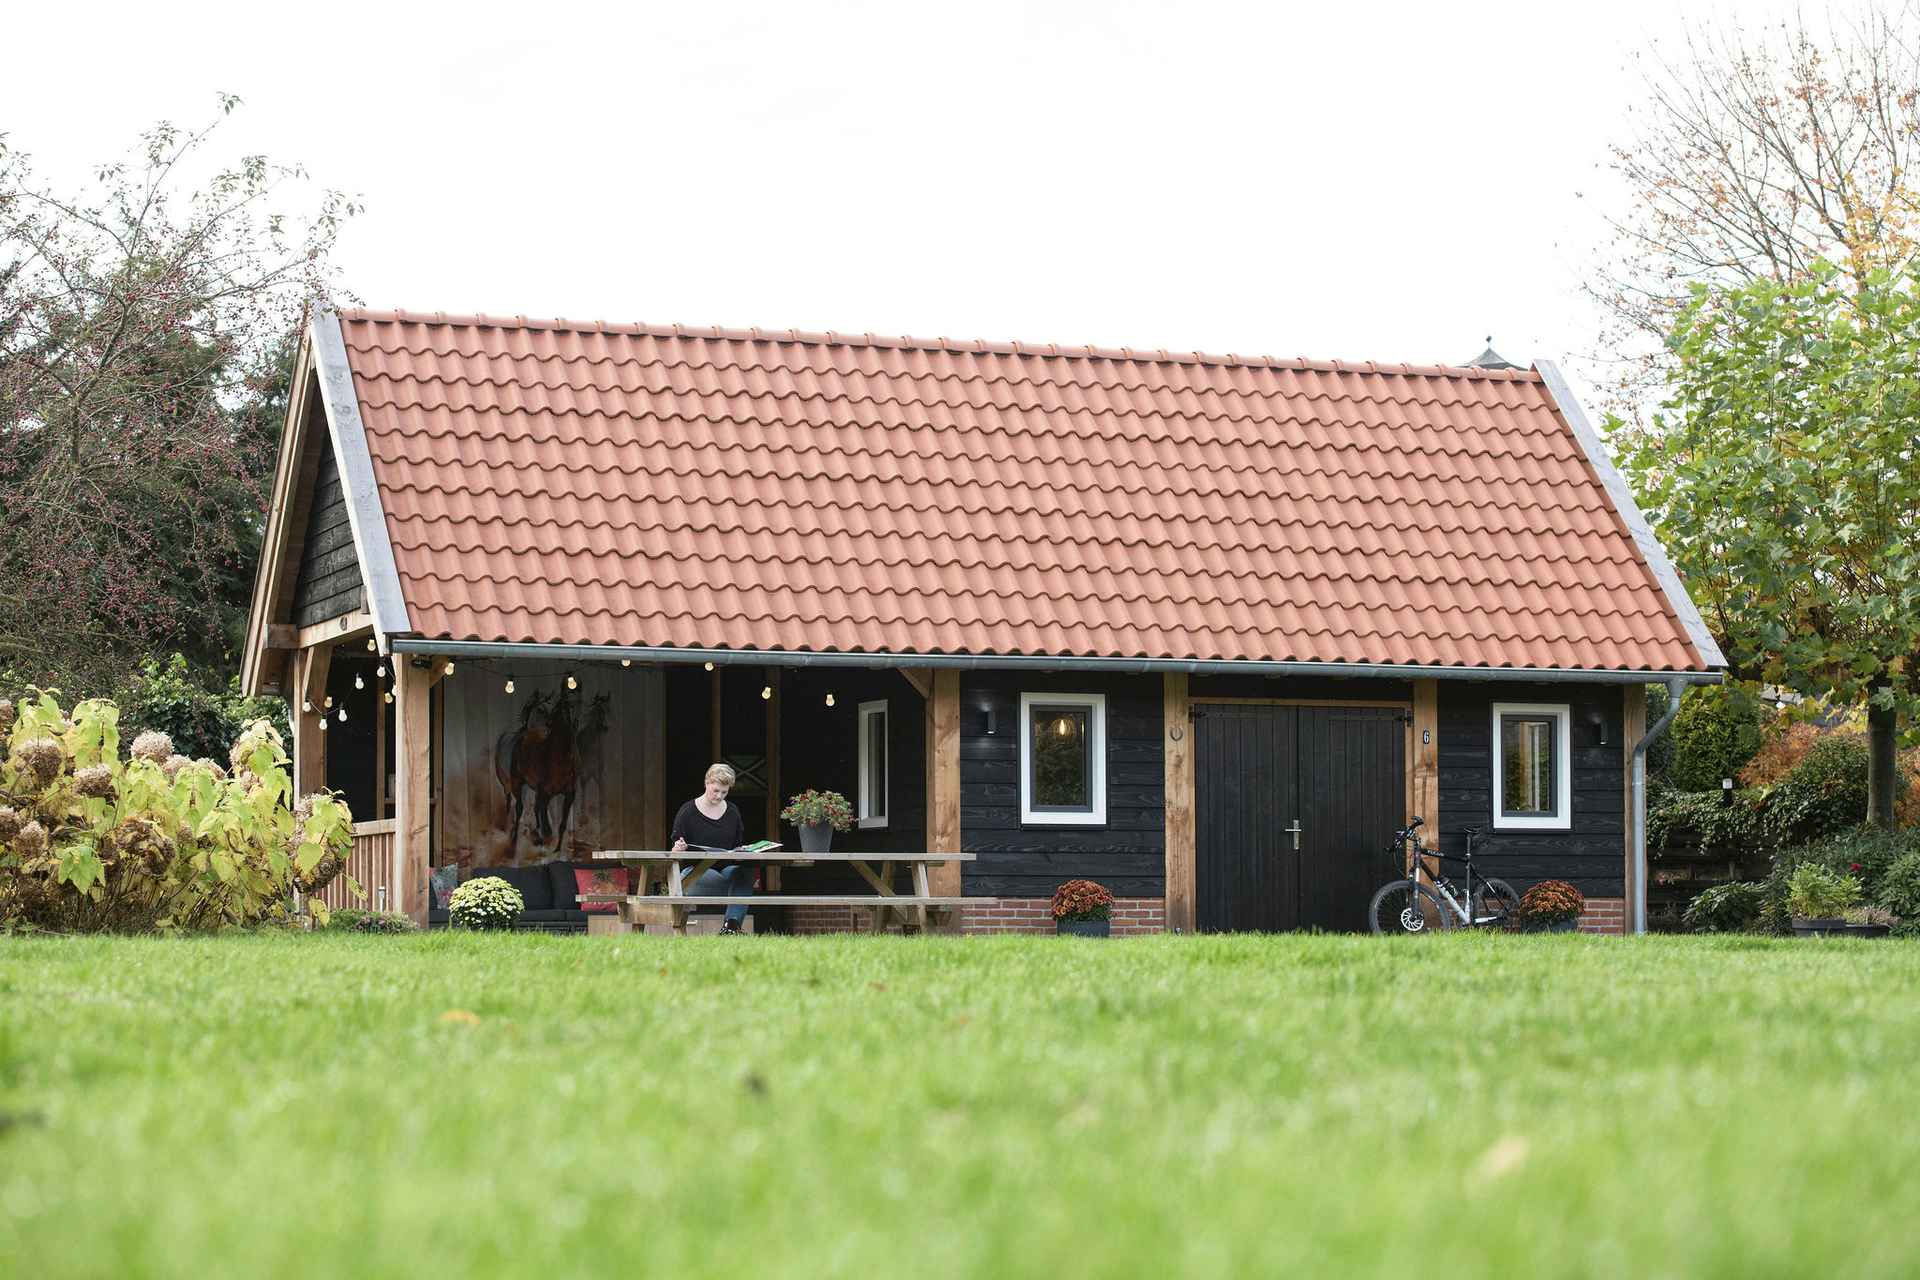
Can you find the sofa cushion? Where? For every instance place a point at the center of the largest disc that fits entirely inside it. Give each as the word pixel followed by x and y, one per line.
pixel 560 884
pixel 546 915
pixel 534 883
pixel 597 880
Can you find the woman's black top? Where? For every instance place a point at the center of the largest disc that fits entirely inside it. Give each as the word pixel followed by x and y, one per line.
pixel 695 827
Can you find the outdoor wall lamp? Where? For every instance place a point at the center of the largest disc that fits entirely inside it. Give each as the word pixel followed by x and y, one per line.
pixel 993 721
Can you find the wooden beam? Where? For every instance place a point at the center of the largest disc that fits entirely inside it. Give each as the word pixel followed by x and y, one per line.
pixel 1633 727
pixel 773 756
pixel 716 673
pixel 654 759
pixel 282 635
pixel 347 626
pixel 309 684
pixel 943 779
pixel 1177 743
pixel 920 679
pixel 413 784
pixel 1426 760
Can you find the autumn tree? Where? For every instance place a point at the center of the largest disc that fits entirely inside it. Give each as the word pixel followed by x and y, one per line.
pixel 1785 474
pixel 1755 156
pixel 144 340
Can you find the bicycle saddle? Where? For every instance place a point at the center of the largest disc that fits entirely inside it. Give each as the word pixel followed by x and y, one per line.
pixel 1470 831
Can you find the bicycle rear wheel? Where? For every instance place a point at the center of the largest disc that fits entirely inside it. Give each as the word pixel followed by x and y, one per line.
pixel 1403 907
pixel 1496 907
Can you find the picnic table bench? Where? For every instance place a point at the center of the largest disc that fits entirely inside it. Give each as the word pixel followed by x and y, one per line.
pixel 916 909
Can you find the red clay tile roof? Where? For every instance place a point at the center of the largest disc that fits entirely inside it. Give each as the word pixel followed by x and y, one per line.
pixel 633 485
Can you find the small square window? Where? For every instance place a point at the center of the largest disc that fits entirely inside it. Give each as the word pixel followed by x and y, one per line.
pixel 1063 758
pixel 873 765
pixel 1532 766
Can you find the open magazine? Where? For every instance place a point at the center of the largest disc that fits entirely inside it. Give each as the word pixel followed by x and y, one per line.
pixel 758 846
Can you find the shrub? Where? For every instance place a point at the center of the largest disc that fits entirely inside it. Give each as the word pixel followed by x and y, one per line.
pixel 1863 852
pixel 1726 908
pixel 362 920
pixel 1872 915
pixel 1660 751
pixel 1082 900
pixel 1707 816
pixel 93 843
pixel 1815 893
pixel 1825 793
pixel 1551 902
pixel 1716 733
pixel 486 903
pixel 1900 887
pixel 173 698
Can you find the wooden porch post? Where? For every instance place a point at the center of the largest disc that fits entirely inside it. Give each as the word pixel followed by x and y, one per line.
pixel 309 683
pixel 943 780
pixel 1425 763
pixel 1633 727
pixel 413 784
pixel 1178 745
pixel 655 746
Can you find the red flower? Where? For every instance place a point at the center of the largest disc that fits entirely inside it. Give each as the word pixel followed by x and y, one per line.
pixel 1082 900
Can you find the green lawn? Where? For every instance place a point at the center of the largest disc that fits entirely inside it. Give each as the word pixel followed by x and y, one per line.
pixel 271 1105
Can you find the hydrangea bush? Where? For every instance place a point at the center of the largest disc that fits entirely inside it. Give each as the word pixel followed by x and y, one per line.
pixel 92 843
pixel 486 903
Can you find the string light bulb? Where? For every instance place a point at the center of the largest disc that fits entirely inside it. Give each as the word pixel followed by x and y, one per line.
pixel 358 683
pixel 449 666
pixel 306 704
pixel 389 695
pixel 371 646
pixel 572 683
pixel 626 662
pixel 766 691
pixel 323 724
pixel 329 704
pixel 709 666
pixel 829 699
pixel 343 715
pixel 381 671
pixel 509 684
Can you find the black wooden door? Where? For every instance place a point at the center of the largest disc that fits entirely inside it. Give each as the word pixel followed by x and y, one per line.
pixel 1338 773
pixel 1246 877
pixel 1353 795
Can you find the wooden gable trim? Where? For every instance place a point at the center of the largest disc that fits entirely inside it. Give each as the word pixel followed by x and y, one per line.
pixel 263 657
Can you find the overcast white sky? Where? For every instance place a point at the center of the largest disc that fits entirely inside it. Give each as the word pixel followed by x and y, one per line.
pixel 1390 182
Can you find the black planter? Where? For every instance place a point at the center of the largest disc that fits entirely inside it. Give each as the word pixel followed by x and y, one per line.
pixel 1818 928
pixel 1083 928
pixel 1558 926
pixel 1866 931
pixel 816 837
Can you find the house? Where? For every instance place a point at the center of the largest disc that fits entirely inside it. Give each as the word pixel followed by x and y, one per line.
pixel 1206 629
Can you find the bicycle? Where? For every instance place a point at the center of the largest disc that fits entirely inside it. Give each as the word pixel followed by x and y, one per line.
pixel 1410 906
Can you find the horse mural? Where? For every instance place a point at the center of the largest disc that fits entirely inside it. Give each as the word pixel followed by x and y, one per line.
pixel 543 755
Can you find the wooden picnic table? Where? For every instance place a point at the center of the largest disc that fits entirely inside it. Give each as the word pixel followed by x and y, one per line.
pixel 677 869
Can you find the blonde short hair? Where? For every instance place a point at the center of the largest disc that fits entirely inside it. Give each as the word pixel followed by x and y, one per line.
pixel 721 773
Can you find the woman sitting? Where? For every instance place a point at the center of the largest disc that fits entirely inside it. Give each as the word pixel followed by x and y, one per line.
pixel 711 821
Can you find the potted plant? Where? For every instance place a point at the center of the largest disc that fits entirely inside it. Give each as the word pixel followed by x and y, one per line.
pixel 1552 906
pixel 486 903
pixel 818 814
pixel 1818 899
pixel 1082 908
pixel 1870 922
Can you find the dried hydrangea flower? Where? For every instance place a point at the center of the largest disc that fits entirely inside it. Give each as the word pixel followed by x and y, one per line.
pixel 41 759
pixel 153 745
pixel 31 841
pixel 6 712
pixel 95 782
pixel 173 765
pixel 9 824
pixel 212 766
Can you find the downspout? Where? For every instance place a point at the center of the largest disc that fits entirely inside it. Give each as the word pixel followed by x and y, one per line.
pixel 1637 820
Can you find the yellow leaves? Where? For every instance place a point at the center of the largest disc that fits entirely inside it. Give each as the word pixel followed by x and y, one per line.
pixel 462 1016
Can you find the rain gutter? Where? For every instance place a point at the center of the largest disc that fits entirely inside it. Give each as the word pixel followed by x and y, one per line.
pixel 1030 662
pixel 1638 815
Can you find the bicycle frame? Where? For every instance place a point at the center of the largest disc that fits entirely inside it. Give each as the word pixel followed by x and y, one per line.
pixel 1461 911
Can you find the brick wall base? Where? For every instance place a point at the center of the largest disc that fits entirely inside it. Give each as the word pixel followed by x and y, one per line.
pixel 1009 915
pixel 1604 915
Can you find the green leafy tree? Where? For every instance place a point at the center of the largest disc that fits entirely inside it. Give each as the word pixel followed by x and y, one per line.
pixel 1783 474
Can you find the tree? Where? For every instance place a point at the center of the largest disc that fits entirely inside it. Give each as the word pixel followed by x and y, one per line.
pixel 1784 475
pixel 142 330
pixel 1754 158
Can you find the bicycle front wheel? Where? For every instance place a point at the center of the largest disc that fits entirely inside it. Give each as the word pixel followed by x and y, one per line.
pixel 1403 907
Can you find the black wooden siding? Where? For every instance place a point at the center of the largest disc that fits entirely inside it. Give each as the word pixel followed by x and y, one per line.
pixel 1591 856
pixel 329 581
pixel 1127 855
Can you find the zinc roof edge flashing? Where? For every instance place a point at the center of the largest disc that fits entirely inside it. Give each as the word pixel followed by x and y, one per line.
pixel 1561 398
pixel 366 514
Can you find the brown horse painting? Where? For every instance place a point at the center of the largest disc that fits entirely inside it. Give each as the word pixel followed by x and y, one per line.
pixel 543 755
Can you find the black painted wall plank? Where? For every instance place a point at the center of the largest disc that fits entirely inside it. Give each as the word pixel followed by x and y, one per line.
pixel 329 582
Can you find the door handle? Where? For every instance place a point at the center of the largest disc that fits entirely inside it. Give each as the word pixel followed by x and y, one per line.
pixel 1295 829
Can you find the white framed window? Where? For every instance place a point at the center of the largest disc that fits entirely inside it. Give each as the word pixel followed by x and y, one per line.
pixel 873 765
pixel 1063 758
pixel 1532 766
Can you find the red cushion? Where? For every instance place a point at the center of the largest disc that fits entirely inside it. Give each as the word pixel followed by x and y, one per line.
pixel 600 880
